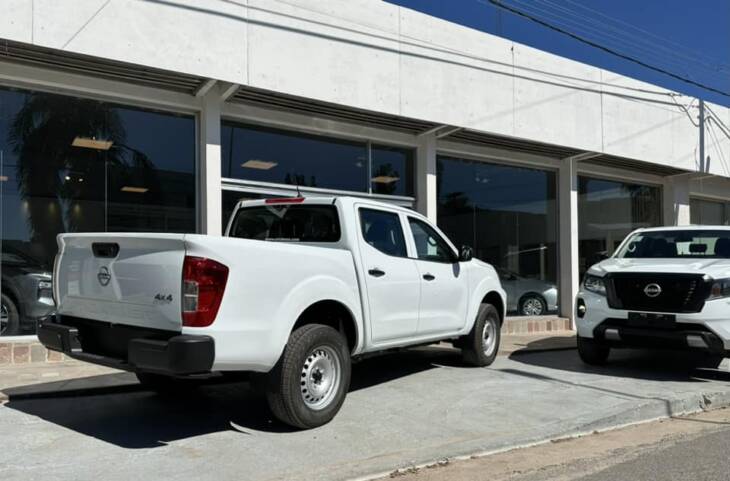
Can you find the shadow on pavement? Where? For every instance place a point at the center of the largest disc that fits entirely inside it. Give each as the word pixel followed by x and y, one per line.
pixel 650 365
pixel 116 409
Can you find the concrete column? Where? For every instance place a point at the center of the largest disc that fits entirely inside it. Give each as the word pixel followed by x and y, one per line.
pixel 676 200
pixel 568 236
pixel 426 195
pixel 209 190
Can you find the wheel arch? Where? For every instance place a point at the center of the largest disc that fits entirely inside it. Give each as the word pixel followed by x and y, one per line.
pixel 331 313
pixel 495 298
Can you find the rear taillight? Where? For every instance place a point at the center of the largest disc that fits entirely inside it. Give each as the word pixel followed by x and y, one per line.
pixel 204 281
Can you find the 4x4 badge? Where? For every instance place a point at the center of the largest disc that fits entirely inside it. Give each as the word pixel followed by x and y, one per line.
pixel 103 276
pixel 652 290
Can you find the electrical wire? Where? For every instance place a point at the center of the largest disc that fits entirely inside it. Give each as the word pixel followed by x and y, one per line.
pixel 515 11
pixel 629 41
pixel 662 40
pixel 440 48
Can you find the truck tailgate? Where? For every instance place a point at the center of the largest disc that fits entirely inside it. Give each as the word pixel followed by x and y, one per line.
pixel 130 279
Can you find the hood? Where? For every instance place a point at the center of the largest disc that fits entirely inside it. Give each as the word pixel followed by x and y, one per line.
pixel 716 268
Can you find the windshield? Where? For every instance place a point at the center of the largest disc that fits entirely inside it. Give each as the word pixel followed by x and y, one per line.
pixel 678 244
pixel 287 223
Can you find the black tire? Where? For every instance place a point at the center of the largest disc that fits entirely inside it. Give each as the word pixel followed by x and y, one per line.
pixel 10 321
pixel 592 352
pixel 166 385
pixel 532 298
pixel 312 350
pixel 474 349
pixel 706 360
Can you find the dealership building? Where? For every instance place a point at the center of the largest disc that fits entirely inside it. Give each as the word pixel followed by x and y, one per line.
pixel 159 115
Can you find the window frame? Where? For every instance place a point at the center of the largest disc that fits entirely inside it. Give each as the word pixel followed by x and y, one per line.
pixel 440 236
pixel 398 215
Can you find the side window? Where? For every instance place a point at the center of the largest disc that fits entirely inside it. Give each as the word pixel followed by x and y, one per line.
pixel 429 245
pixel 383 231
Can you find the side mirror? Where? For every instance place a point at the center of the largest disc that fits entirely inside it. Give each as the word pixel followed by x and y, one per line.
pixel 466 254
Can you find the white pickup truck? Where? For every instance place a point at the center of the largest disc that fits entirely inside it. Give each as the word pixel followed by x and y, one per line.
pixel 665 288
pixel 295 289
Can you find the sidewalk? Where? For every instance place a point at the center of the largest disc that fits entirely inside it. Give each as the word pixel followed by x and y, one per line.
pixel 411 408
pixel 68 375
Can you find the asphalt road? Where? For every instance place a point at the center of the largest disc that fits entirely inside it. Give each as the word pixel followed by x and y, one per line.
pixel 704 458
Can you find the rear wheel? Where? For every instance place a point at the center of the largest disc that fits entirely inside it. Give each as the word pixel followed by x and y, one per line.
pixel 591 352
pixel 308 385
pixel 533 305
pixel 9 317
pixel 703 359
pixel 479 348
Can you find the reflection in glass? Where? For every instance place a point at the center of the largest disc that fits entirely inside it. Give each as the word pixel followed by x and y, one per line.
pixel 392 171
pixel 708 212
pixel 608 211
pixel 277 156
pixel 80 165
pixel 508 215
pixel 284 157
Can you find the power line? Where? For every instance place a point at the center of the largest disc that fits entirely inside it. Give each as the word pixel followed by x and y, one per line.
pixel 499 4
pixel 694 53
pixel 633 40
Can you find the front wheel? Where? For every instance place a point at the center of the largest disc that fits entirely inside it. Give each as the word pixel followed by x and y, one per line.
pixel 591 352
pixel 308 385
pixel 479 348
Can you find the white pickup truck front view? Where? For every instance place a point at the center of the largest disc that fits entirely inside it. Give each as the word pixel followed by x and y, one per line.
pixel 295 290
pixel 664 288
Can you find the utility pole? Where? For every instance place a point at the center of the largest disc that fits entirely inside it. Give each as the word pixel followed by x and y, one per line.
pixel 702 136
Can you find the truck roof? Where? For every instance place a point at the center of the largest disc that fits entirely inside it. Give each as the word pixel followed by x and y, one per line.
pixel 684 228
pixel 345 199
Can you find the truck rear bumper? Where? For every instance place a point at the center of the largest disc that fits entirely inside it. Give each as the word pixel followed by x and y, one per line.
pixel 177 355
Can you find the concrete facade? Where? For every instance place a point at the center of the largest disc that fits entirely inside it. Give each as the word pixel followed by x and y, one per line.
pixel 377 57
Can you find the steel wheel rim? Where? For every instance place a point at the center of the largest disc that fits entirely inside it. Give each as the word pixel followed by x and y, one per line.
pixel 532 307
pixel 320 377
pixel 4 319
pixel 489 336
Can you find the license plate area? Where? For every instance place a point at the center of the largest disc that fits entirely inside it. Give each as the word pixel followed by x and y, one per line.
pixel 651 321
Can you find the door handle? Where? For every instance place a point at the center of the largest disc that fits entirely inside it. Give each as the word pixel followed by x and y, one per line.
pixel 375 272
pixel 429 277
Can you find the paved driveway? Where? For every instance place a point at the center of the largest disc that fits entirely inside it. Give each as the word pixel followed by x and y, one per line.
pixel 406 408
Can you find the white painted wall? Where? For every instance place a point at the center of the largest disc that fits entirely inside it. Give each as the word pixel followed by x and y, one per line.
pixel 373 55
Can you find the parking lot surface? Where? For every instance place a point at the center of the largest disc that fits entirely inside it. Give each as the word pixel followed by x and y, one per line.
pixel 403 409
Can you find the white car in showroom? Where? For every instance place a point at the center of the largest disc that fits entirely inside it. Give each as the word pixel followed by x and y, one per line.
pixel 664 288
pixel 294 291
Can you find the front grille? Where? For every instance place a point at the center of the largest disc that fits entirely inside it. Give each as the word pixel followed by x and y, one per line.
pixel 680 293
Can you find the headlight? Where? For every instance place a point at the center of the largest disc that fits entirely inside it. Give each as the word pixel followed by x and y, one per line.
pixel 594 284
pixel 720 288
pixel 45 285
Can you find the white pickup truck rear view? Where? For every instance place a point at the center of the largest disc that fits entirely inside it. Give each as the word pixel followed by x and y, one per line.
pixel 293 292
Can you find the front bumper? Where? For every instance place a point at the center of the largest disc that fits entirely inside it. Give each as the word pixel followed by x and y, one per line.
pixel 707 330
pixel 175 355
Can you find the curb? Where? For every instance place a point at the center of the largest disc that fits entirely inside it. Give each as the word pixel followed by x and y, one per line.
pixel 649 412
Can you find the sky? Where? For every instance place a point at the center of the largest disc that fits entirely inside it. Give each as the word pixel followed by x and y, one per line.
pixel 690 38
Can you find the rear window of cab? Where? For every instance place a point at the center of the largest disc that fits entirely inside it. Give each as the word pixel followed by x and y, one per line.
pixel 287 223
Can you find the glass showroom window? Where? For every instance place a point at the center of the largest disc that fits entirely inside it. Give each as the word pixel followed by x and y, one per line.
pixel 708 212
pixel 508 215
pixel 608 211
pixel 283 157
pixel 79 165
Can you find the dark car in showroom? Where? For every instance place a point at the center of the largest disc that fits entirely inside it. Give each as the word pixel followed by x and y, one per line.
pixel 27 292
